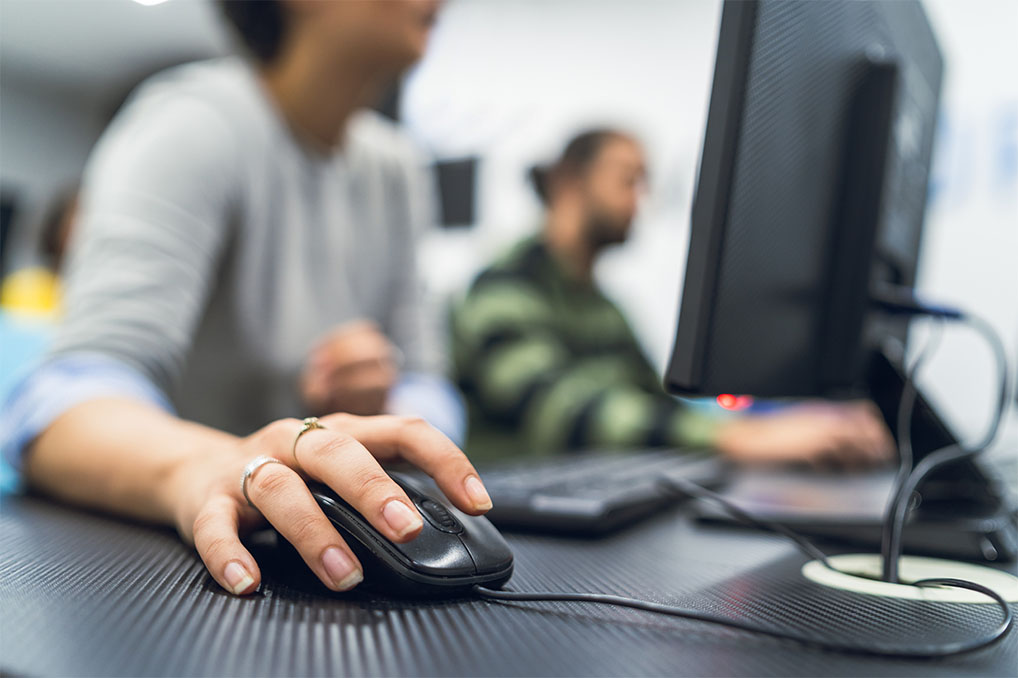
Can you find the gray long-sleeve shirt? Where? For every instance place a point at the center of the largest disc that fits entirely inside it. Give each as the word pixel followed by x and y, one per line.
pixel 213 249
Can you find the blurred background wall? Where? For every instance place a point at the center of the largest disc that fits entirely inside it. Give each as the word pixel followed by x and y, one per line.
pixel 503 86
pixel 65 67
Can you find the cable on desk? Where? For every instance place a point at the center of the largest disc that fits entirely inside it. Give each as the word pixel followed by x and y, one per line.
pixel 903 425
pixel 906 483
pixel 687 488
pixel 876 648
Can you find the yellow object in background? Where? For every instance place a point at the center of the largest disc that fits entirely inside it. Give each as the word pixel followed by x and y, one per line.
pixel 34 291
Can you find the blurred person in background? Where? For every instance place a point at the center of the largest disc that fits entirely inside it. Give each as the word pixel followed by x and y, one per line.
pixel 244 255
pixel 549 363
pixel 36 290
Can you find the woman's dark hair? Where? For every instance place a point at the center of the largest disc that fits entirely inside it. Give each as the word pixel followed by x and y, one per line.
pixel 261 25
pixel 577 157
pixel 54 234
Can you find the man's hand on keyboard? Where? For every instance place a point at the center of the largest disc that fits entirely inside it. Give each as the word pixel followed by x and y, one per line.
pixel 819 434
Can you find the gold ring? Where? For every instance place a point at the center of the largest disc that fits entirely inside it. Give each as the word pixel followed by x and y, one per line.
pixel 309 424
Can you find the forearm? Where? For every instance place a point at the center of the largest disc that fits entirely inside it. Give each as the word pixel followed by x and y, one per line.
pixel 118 455
pixel 578 412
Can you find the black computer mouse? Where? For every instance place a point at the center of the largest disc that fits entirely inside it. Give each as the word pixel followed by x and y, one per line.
pixel 453 552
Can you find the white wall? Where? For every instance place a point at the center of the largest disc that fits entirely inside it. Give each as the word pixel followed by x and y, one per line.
pixel 970 253
pixel 511 81
pixel 65 65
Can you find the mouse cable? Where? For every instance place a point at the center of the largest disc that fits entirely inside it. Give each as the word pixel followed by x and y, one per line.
pixel 905 484
pixel 876 648
pixel 870 647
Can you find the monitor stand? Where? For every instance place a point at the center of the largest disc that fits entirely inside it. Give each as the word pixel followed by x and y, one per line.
pixel 861 573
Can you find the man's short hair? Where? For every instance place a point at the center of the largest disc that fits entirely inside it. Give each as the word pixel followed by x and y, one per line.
pixel 261 25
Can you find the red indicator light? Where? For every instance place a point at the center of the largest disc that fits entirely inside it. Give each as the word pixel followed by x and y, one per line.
pixel 734 402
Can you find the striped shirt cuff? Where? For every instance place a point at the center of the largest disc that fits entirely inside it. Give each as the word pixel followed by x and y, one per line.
pixel 695 429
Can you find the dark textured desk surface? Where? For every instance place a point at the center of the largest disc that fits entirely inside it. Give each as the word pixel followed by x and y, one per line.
pixel 83 594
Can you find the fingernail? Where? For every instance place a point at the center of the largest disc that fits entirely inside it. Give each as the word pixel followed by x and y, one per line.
pixel 401 519
pixel 477 493
pixel 238 578
pixel 341 570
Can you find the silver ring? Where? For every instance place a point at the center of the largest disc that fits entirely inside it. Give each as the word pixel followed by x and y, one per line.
pixel 251 467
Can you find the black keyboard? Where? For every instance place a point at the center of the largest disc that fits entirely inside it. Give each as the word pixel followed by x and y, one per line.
pixel 591 493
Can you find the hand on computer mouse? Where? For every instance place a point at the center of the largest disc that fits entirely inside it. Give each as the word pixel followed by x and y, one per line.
pixel 821 434
pixel 212 512
pixel 352 369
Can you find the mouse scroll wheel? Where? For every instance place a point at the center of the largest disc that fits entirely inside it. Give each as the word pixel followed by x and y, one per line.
pixel 439 516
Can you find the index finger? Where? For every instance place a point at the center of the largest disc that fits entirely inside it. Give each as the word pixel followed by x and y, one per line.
pixel 412 439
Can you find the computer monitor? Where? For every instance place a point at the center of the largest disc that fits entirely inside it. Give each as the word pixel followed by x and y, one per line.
pixel 811 192
pixel 808 211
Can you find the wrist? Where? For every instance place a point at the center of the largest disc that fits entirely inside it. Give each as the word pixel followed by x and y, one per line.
pixel 191 478
pixel 177 490
pixel 735 438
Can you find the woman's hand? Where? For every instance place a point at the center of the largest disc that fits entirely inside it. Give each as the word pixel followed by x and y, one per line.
pixel 211 511
pixel 352 369
pixel 819 434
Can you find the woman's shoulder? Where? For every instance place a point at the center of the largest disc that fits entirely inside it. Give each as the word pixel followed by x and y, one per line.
pixel 178 120
pixel 227 84
pixel 206 100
